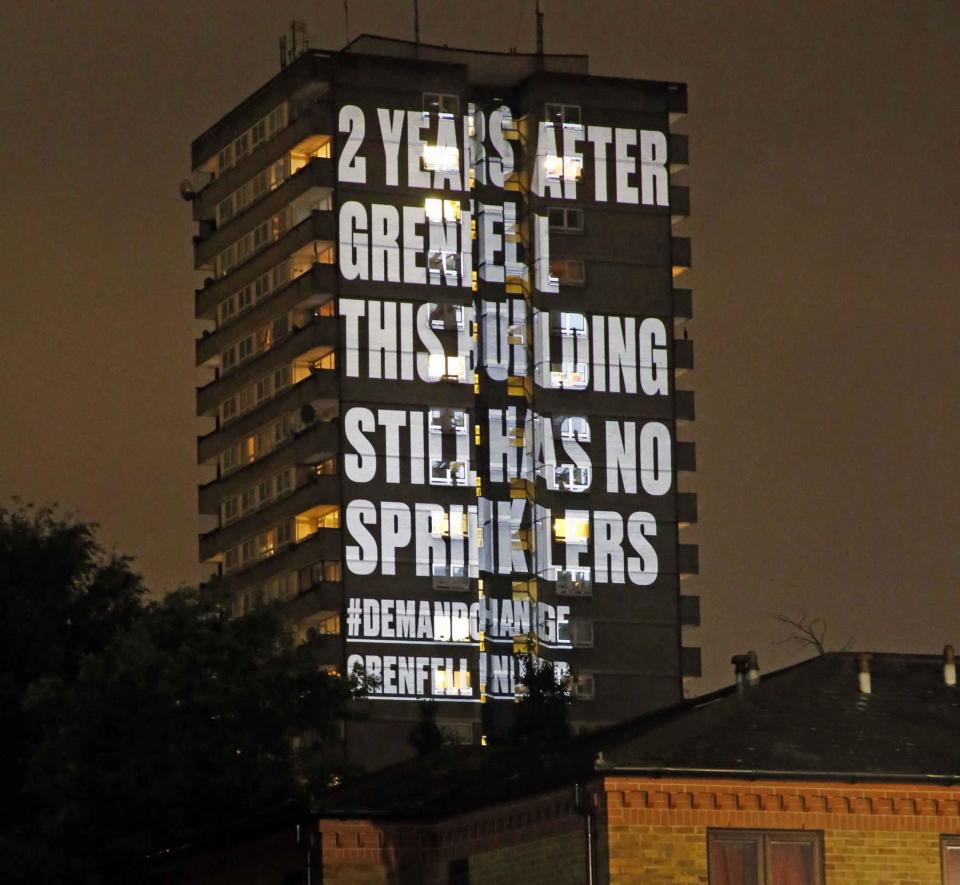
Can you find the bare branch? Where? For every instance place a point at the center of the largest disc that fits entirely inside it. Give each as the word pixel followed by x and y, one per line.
pixel 805 631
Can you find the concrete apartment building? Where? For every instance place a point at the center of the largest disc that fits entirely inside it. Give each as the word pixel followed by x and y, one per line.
pixel 443 347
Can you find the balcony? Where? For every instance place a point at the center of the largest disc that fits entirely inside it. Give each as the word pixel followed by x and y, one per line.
pixel 678 151
pixel 319 226
pixel 324 596
pixel 690 611
pixel 317 120
pixel 679 202
pixel 324 544
pixel 318 173
pixel 686 456
pixel 686 508
pixel 311 445
pixel 684 405
pixel 324 385
pixel 680 254
pixel 309 342
pixel 688 560
pixel 682 304
pixel 309 289
pixel 321 490
pixel 682 353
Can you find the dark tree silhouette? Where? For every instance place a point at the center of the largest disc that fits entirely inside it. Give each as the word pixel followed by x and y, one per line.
pixel 136 726
pixel 542 714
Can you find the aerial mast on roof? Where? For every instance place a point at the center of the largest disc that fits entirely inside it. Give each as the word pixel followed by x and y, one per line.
pixel 539 34
pixel 298 45
pixel 416 22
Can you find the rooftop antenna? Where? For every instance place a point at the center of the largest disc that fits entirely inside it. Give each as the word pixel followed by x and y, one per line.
pixel 298 45
pixel 416 23
pixel 539 34
pixel 346 18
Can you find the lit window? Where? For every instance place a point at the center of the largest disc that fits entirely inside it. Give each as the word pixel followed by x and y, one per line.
pixel 448 421
pixel 765 857
pixel 573 529
pixel 569 376
pixel 438 210
pixel 553 166
pixel 573 325
pixel 445 368
pixel 443 262
pixel 441 158
pixel 575 427
pixel 570 478
pixel 572 168
pixel 448 473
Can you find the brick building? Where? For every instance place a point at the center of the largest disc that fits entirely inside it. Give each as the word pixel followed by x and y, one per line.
pixel 844 769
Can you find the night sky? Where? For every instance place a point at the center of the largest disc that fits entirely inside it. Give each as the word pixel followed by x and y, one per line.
pixel 824 144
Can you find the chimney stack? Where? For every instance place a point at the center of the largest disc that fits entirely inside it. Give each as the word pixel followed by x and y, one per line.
pixel 753 668
pixel 863 676
pixel 949 666
pixel 741 664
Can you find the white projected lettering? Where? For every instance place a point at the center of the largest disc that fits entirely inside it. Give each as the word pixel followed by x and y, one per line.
pixel 506 440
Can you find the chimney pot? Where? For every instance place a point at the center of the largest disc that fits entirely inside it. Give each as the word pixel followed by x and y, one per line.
pixel 863 676
pixel 949 666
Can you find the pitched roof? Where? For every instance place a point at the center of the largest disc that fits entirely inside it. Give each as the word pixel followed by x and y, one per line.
pixel 808 721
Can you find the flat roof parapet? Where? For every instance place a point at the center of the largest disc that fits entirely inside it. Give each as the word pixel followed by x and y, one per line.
pixel 484 67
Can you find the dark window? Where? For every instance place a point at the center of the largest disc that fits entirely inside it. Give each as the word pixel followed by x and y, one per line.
pixel 561 115
pixel 441 104
pixel 458 873
pixel 765 857
pixel 950 849
pixel 566 219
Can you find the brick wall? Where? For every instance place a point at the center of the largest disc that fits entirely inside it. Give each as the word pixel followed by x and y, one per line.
pixel 874 834
pixel 536 841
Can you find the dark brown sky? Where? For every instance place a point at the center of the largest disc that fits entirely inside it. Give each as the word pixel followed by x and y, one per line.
pixel 825 140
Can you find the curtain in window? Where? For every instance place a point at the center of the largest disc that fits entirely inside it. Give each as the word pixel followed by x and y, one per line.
pixel 951 865
pixel 791 863
pixel 733 863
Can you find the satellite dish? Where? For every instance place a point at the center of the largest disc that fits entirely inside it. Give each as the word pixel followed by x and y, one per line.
pixel 186 190
pixel 308 414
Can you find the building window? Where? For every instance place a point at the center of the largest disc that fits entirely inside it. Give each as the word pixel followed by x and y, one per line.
pixel 950 858
pixel 765 857
pixel 562 116
pixel 441 104
pixel 565 219
pixel 567 271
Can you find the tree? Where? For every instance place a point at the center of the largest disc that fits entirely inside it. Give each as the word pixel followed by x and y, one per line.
pixel 61 598
pixel 541 715
pixel 426 736
pixel 806 631
pixel 165 721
